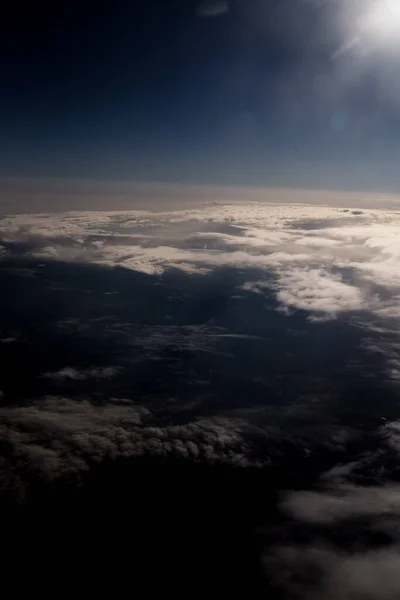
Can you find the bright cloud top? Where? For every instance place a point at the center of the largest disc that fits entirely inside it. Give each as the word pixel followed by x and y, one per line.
pixel 322 260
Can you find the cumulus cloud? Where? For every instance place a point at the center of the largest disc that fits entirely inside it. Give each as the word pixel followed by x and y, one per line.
pixel 317 291
pixel 58 437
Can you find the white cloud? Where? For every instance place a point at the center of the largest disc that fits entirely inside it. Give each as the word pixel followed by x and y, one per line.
pixel 305 249
pixel 317 291
pixel 318 570
pixel 258 287
pixel 317 242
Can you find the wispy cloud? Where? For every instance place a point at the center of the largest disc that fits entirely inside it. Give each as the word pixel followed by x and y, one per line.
pixel 341 519
pixel 74 374
pixel 212 8
pixel 321 571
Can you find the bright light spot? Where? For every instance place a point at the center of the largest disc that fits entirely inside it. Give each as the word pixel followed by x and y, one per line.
pixel 378 25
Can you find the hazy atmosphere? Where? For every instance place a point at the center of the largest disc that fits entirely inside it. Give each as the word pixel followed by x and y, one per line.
pixel 298 93
pixel 200 298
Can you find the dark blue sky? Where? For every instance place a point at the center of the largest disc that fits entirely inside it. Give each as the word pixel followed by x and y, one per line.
pixel 264 92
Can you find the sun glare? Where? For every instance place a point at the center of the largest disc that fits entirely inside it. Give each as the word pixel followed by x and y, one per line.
pixel 378 25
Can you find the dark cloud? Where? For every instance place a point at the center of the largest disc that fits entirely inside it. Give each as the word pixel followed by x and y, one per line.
pixel 311 573
pixel 80 374
pixel 58 437
pixel 344 502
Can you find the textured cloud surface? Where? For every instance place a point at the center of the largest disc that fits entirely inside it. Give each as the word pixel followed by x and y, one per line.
pixel 235 338
pixel 323 260
pixel 60 436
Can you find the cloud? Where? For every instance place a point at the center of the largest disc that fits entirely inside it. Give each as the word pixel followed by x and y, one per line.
pixel 80 374
pixel 317 242
pixel 319 260
pixel 317 291
pixel 258 287
pixel 58 437
pixel 387 346
pixel 391 433
pixel 212 8
pixel 344 501
pixel 36 195
pixel 336 559
pixel 315 572
pixel 315 258
pixel 8 340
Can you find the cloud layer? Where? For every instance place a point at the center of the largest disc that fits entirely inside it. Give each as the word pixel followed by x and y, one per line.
pixel 229 335
pixel 325 261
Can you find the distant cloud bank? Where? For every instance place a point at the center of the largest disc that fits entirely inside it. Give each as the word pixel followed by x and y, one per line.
pixel 35 195
pixel 323 260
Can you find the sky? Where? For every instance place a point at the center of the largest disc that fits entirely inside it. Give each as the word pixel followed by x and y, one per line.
pixel 211 322
pixel 274 93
